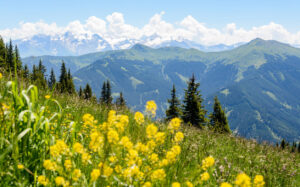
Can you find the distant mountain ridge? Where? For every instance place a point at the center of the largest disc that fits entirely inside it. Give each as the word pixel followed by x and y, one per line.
pixel 68 44
pixel 258 83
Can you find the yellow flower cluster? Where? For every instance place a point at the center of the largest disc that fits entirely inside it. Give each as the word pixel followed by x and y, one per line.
pixel 243 180
pixel 174 124
pixel 139 118
pixel 151 107
pixel 208 162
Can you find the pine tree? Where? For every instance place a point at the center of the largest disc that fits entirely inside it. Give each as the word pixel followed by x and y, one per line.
pixel 34 74
pixel 63 78
pixel 294 147
pixel 193 111
pixel 103 94
pixel 218 119
pixel 87 92
pixel 283 144
pixel 108 97
pixel 174 106
pixel 121 101
pixel 41 67
pixel 298 147
pixel 26 72
pixel 80 94
pixel 52 79
pixel 18 59
pixel 10 57
pixel 3 53
pixel 70 84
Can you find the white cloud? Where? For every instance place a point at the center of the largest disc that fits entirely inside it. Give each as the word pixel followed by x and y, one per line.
pixel 114 29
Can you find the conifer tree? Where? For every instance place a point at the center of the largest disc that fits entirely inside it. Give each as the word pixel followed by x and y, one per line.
pixel 174 106
pixel 63 78
pixel 52 79
pixel 70 84
pixel 103 94
pixel 193 111
pixel 26 72
pixel 283 144
pixel 218 119
pixel 108 97
pixel 18 58
pixel 298 147
pixel 120 101
pixel 2 53
pixel 41 67
pixel 294 147
pixel 87 92
pixel 10 57
pixel 80 94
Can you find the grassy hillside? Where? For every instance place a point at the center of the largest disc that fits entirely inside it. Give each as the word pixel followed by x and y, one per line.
pixel 59 139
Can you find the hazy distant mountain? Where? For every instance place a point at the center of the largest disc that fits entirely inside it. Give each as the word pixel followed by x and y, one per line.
pixel 258 83
pixel 68 44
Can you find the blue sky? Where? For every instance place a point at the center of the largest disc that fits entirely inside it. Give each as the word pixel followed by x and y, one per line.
pixel 215 13
pixel 208 22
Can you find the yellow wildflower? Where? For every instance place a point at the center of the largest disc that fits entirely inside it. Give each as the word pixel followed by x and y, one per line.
pixel 96 141
pixel 125 141
pixel 151 130
pixel 60 181
pixel 20 166
pixel 158 174
pixel 118 169
pixel 174 124
pixel 43 180
pixel 139 118
pixel 153 158
pixel 123 119
pixel 259 181
pixel 175 184
pixel 112 159
pixel 147 184
pixel 95 174
pixel 160 137
pixel 243 180
pixel 225 184
pixel 107 171
pixel 78 148
pixel 189 184
pixel 178 137
pixel 204 176
pixel 1 75
pixel 76 174
pixel 68 164
pixel 112 136
pixel 85 157
pixel 47 96
pixel 151 107
pixel 49 165
pixel 208 162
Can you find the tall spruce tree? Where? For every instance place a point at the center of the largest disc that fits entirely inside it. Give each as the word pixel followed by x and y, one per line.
pixel 10 57
pixel 218 119
pixel 26 72
pixel 80 93
pixel 63 78
pixel 18 59
pixel 120 101
pixel 3 53
pixel 193 112
pixel 52 79
pixel 108 97
pixel 103 94
pixel 87 92
pixel 174 106
pixel 70 84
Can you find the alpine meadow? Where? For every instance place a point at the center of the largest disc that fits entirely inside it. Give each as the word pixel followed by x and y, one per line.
pixel 107 102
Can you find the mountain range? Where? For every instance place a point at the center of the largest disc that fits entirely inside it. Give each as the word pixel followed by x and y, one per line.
pixel 70 44
pixel 258 83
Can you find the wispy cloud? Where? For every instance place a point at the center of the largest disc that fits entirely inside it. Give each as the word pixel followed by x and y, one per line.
pixel 114 29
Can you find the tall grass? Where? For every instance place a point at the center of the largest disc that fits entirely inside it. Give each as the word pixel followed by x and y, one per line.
pixel 32 127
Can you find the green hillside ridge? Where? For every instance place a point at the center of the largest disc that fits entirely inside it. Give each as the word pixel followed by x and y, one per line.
pixel 60 117
pixel 143 73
